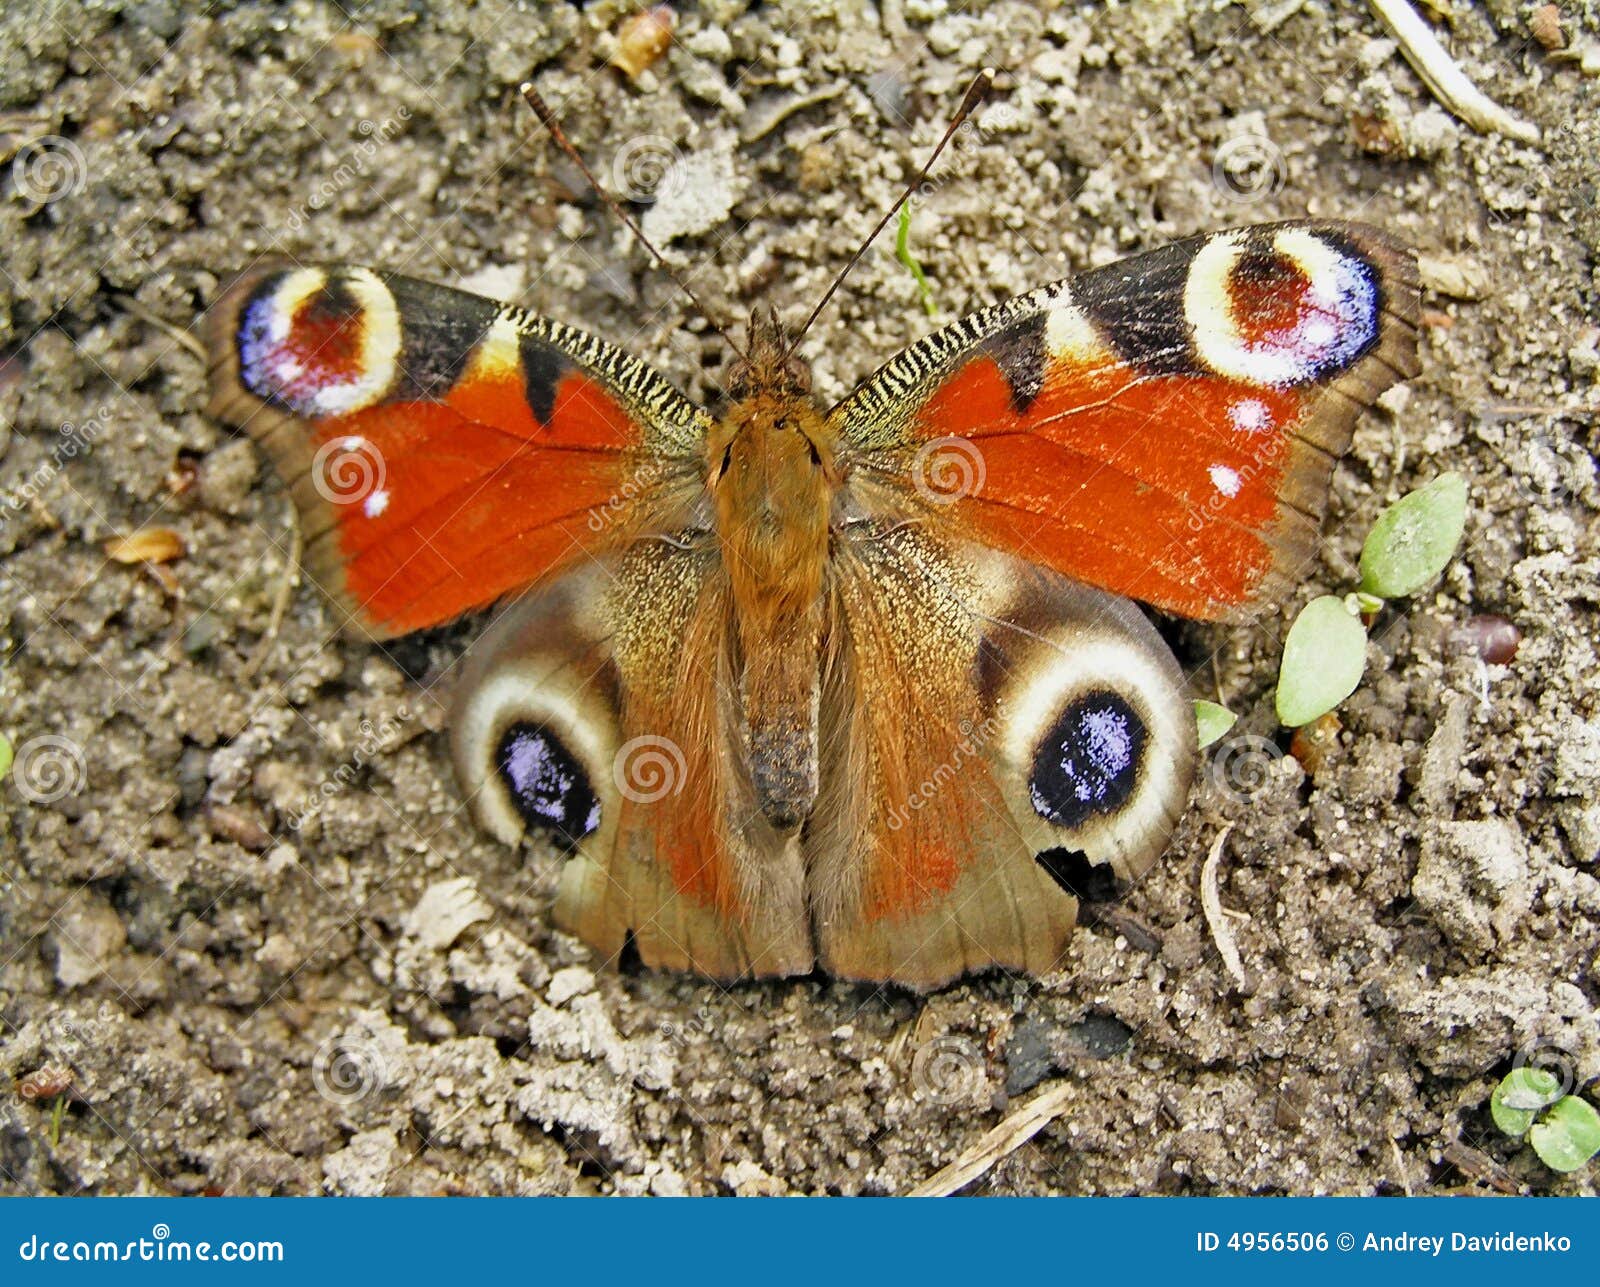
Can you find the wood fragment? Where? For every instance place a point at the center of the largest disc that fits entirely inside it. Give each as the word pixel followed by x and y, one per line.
pixel 134 308
pixel 1478 1165
pixel 1545 24
pixel 148 545
pixel 1139 935
pixel 642 39
pixel 760 124
pixel 1400 1167
pixel 1446 80
pixel 1000 1143
pixel 1216 918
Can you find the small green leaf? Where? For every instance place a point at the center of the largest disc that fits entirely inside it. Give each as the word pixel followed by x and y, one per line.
pixel 1568 1135
pixel 1368 605
pixel 902 251
pixel 1522 1092
pixel 1414 538
pixel 1323 658
pixel 6 756
pixel 1212 721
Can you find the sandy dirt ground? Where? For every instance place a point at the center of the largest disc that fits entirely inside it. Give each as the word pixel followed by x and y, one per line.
pixel 240 902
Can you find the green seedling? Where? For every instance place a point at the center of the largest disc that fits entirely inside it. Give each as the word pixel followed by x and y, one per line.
pixel 1564 1130
pixel 1522 1092
pixel 1323 658
pixel 1414 539
pixel 7 755
pixel 1212 721
pixel 1567 1136
pixel 902 252
pixel 1408 547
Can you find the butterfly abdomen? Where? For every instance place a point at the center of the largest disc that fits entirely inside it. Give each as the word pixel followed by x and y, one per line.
pixel 772 477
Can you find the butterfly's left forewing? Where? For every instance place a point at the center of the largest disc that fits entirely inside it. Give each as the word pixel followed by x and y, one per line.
pixel 443 449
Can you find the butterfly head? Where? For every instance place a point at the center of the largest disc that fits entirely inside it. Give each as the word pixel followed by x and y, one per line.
pixel 769 364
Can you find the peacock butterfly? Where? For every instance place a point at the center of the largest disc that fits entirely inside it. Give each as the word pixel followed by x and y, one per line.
pixel 862 688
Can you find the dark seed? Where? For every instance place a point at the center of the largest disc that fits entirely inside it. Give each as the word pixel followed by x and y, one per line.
pixel 1492 637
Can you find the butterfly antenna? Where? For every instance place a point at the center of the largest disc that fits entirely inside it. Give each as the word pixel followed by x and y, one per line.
pixel 982 83
pixel 547 118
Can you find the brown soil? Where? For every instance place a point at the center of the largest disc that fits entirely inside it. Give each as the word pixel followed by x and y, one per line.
pixel 253 1008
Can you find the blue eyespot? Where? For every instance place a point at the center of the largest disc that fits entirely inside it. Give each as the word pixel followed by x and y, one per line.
pixel 547 784
pixel 1088 763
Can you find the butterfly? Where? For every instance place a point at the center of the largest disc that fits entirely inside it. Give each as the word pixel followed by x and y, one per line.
pixel 860 689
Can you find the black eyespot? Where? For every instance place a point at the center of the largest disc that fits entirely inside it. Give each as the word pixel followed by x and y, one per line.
pixel 1088 763
pixel 547 784
pixel 1088 882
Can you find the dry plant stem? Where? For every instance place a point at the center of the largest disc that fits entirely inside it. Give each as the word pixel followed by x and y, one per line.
pixel 1216 918
pixel 1447 81
pixel 135 309
pixel 999 1143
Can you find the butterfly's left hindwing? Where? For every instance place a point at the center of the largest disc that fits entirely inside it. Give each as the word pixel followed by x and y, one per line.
pixel 1000 739
pixel 1164 427
pixel 443 449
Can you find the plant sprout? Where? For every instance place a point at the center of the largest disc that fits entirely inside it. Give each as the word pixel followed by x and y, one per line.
pixel 1568 1135
pixel 1413 539
pixel 1212 721
pixel 1408 547
pixel 1323 658
pixel 902 251
pixel 1564 1130
pixel 1522 1092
